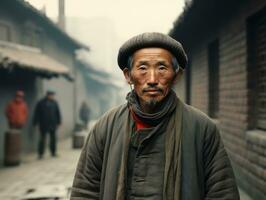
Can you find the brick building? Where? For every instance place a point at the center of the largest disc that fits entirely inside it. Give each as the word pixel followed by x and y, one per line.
pixel 226 78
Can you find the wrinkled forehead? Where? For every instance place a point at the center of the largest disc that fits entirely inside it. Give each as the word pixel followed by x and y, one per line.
pixel 152 53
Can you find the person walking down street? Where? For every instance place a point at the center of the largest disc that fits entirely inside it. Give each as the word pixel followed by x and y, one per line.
pixel 47 116
pixel 17 111
pixel 84 113
pixel 154 147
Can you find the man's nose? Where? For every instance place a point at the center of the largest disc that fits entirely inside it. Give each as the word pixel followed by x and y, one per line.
pixel 152 78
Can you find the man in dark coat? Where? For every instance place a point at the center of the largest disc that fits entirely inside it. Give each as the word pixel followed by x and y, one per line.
pixel 154 147
pixel 47 116
pixel 84 113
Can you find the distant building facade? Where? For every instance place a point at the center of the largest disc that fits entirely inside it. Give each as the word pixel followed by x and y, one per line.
pixel 226 79
pixel 104 90
pixel 35 55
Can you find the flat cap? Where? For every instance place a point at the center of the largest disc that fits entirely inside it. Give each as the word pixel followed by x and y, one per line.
pixel 50 92
pixel 152 39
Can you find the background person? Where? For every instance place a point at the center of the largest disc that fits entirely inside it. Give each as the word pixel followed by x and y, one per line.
pixel 47 116
pixel 17 111
pixel 84 113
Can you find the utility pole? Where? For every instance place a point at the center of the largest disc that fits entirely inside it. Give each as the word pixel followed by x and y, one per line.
pixel 61 14
pixel 62 24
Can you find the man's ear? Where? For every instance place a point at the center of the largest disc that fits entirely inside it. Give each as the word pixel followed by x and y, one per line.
pixel 178 74
pixel 127 75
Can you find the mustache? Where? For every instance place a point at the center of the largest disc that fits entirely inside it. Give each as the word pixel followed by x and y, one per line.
pixel 152 88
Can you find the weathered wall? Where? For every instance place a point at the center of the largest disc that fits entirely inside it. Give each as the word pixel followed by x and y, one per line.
pixel 246 146
pixel 35 87
pixel 199 79
pixel 179 85
pixel 9 83
pixel 64 89
pixel 8 86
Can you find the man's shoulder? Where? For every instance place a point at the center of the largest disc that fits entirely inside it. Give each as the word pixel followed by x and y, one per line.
pixel 41 101
pixel 197 116
pixel 10 105
pixel 24 103
pixel 197 124
pixel 55 102
pixel 11 102
pixel 114 115
pixel 110 122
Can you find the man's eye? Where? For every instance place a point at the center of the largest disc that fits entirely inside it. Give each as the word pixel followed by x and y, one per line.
pixel 142 67
pixel 162 67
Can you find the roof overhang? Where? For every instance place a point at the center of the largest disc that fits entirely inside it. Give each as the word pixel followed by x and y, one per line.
pixel 200 17
pixel 14 55
pixel 105 80
pixel 25 10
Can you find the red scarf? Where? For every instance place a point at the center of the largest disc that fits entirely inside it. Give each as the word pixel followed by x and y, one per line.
pixel 139 124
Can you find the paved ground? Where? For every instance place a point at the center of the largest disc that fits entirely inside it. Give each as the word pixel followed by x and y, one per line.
pixel 33 173
pixel 15 181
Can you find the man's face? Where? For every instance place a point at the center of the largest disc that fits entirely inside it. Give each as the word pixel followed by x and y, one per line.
pixel 50 96
pixel 18 98
pixel 152 74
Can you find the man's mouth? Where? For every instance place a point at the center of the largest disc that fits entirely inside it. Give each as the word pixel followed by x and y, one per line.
pixel 153 91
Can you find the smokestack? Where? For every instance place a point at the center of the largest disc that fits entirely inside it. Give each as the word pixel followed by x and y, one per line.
pixel 61 14
pixel 188 3
pixel 43 10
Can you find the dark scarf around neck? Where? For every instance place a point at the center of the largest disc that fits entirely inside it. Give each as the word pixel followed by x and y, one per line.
pixel 165 109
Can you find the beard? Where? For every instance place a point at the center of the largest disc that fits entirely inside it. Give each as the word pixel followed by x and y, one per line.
pixel 152 103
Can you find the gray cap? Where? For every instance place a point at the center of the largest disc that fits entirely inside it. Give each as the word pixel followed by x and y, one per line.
pixel 153 39
pixel 50 92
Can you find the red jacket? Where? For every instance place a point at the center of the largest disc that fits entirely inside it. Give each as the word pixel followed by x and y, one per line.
pixel 17 113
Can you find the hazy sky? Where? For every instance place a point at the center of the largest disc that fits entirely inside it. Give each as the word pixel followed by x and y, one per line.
pixel 125 18
pixel 130 16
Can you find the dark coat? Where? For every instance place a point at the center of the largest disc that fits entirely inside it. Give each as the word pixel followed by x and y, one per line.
pixel 206 172
pixel 84 113
pixel 47 115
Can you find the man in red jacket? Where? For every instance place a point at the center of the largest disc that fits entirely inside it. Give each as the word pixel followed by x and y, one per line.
pixel 17 111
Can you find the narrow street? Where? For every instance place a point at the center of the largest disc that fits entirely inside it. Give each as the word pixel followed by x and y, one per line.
pixel 64 63
pixel 33 173
pixel 46 173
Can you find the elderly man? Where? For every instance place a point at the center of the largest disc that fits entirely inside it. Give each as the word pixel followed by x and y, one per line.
pixel 154 147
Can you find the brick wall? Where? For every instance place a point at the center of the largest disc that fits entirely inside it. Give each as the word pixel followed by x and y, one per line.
pixel 199 79
pixel 246 146
pixel 242 144
pixel 179 85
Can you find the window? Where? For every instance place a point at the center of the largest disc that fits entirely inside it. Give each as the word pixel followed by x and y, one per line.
pixel 213 62
pixel 257 67
pixel 32 35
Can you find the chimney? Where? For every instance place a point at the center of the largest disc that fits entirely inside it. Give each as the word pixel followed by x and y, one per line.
pixel 43 10
pixel 61 14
